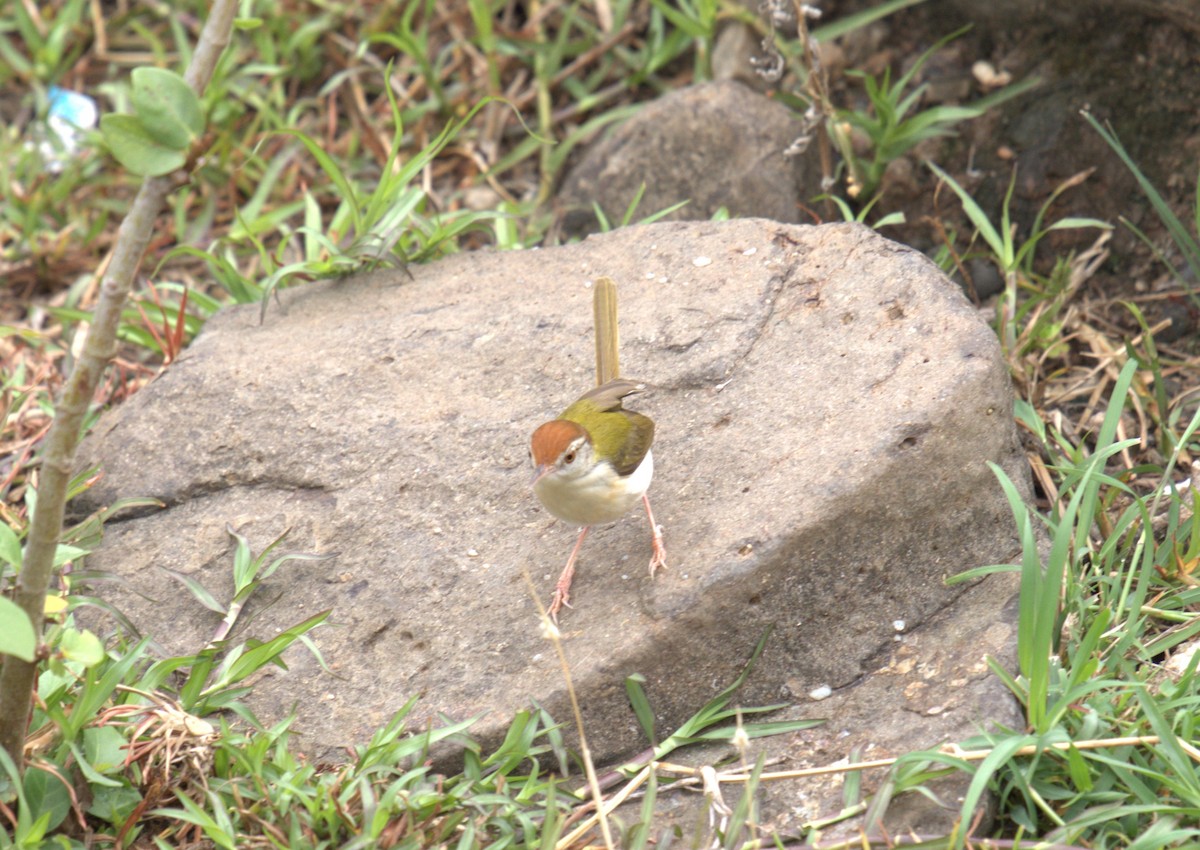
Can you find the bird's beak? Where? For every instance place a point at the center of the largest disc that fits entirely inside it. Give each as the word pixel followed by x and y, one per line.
pixel 540 472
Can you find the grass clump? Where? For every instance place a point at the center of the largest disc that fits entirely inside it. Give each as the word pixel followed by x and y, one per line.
pixel 893 125
pixel 1109 729
pixel 141 768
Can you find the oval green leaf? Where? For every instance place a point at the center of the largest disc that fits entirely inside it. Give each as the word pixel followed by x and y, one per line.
pixel 167 107
pixel 83 646
pixel 17 636
pixel 46 796
pixel 64 553
pixel 135 149
pixel 10 547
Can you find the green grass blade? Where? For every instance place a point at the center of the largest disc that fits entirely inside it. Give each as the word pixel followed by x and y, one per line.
pixel 973 211
pixel 1187 245
pixel 849 23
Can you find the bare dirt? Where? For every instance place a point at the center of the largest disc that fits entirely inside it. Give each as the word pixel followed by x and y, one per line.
pixel 1135 72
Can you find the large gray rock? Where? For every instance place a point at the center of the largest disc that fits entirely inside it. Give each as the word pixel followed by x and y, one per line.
pixel 826 403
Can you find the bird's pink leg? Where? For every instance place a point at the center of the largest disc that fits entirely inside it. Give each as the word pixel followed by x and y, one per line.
pixel 658 558
pixel 562 589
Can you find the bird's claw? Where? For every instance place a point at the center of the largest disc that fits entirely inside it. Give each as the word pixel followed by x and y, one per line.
pixel 561 598
pixel 658 558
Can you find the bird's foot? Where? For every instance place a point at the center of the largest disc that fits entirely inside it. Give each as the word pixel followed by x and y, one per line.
pixel 562 588
pixel 658 558
pixel 561 598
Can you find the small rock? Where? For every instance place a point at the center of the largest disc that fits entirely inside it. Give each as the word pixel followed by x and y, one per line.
pixel 715 145
pixel 988 77
pixel 736 47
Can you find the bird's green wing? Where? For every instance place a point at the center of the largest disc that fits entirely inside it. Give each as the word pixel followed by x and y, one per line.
pixel 636 444
pixel 623 436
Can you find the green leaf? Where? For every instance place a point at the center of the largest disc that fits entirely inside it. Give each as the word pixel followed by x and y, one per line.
pixel 244 660
pixel 90 773
pixel 641 706
pixel 761 730
pixel 977 215
pixel 104 748
pixel 98 687
pixel 82 646
pixel 196 678
pixel 47 796
pixel 1186 243
pixel 217 826
pixel 681 21
pixel 10 547
pixel 64 553
pixel 136 149
pixel 199 591
pixel 849 23
pixel 17 635
pixel 334 172
pixel 1077 769
pixel 167 107
pixel 114 805
pixel 1073 222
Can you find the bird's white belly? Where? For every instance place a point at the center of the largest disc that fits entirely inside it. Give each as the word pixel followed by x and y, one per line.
pixel 600 496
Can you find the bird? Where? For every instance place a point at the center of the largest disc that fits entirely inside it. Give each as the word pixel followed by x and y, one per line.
pixel 591 465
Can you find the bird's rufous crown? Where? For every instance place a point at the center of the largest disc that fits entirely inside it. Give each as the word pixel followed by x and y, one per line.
pixel 552 438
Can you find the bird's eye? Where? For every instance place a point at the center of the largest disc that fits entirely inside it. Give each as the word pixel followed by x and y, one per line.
pixel 569 457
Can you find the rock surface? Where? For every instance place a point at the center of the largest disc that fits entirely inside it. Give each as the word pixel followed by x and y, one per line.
pixel 826 404
pixel 716 144
pixel 933 685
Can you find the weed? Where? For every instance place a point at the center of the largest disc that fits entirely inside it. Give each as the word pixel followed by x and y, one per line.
pixel 1184 240
pixel 1100 714
pixel 892 127
pixel 1015 261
